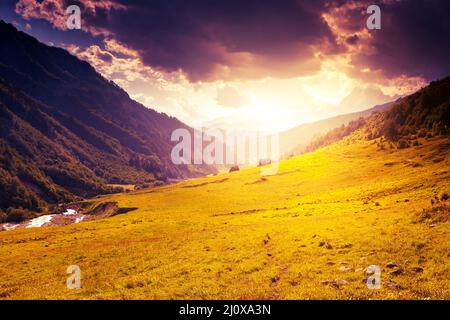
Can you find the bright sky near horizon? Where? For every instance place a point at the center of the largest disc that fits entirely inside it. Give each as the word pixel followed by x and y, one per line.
pixel 256 65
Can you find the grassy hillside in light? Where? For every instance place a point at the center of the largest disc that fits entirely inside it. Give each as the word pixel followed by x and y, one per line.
pixel 326 215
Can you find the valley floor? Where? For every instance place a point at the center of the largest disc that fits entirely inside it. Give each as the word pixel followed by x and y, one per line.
pixel 308 232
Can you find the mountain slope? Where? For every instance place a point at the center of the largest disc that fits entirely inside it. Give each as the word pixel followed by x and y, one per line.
pixel 294 141
pixel 425 113
pixel 309 232
pixel 65 130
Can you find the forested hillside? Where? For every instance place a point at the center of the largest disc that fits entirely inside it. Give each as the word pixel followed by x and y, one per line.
pixel 425 113
pixel 66 131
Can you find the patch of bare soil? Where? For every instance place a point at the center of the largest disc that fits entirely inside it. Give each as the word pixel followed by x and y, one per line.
pixel 205 183
pixel 106 209
pixel 439 212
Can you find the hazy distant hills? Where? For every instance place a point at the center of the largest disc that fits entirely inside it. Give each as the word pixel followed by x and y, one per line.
pixel 294 141
pixel 424 114
pixel 361 98
pixel 65 130
pixel 427 111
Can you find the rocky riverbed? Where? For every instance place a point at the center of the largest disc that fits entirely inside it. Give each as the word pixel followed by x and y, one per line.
pixel 69 216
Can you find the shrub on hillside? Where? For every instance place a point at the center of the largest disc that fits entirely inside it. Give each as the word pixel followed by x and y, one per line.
pixel 389 130
pixel 14 194
pixel 158 183
pixel 3 216
pixel 403 144
pixel 438 213
pixel 17 214
pixel 234 168
pixel 142 186
pixel 422 133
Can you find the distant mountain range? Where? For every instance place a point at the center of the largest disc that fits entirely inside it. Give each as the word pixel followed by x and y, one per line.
pixel 66 131
pixel 362 98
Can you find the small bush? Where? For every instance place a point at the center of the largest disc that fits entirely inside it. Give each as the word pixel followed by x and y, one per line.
pixel 438 213
pixel 422 133
pixel 17 215
pixel 118 190
pixel 143 186
pixel 390 130
pixel 403 144
pixel 3 216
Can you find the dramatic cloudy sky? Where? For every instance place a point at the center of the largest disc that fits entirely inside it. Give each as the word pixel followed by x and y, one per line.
pixel 266 64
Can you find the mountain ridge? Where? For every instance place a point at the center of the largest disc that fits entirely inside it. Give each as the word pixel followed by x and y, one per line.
pixel 66 131
pixel 425 113
pixel 295 140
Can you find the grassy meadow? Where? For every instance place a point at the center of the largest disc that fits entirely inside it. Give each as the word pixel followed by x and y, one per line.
pixel 308 232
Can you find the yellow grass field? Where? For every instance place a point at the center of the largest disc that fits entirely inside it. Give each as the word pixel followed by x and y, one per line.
pixel 326 215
